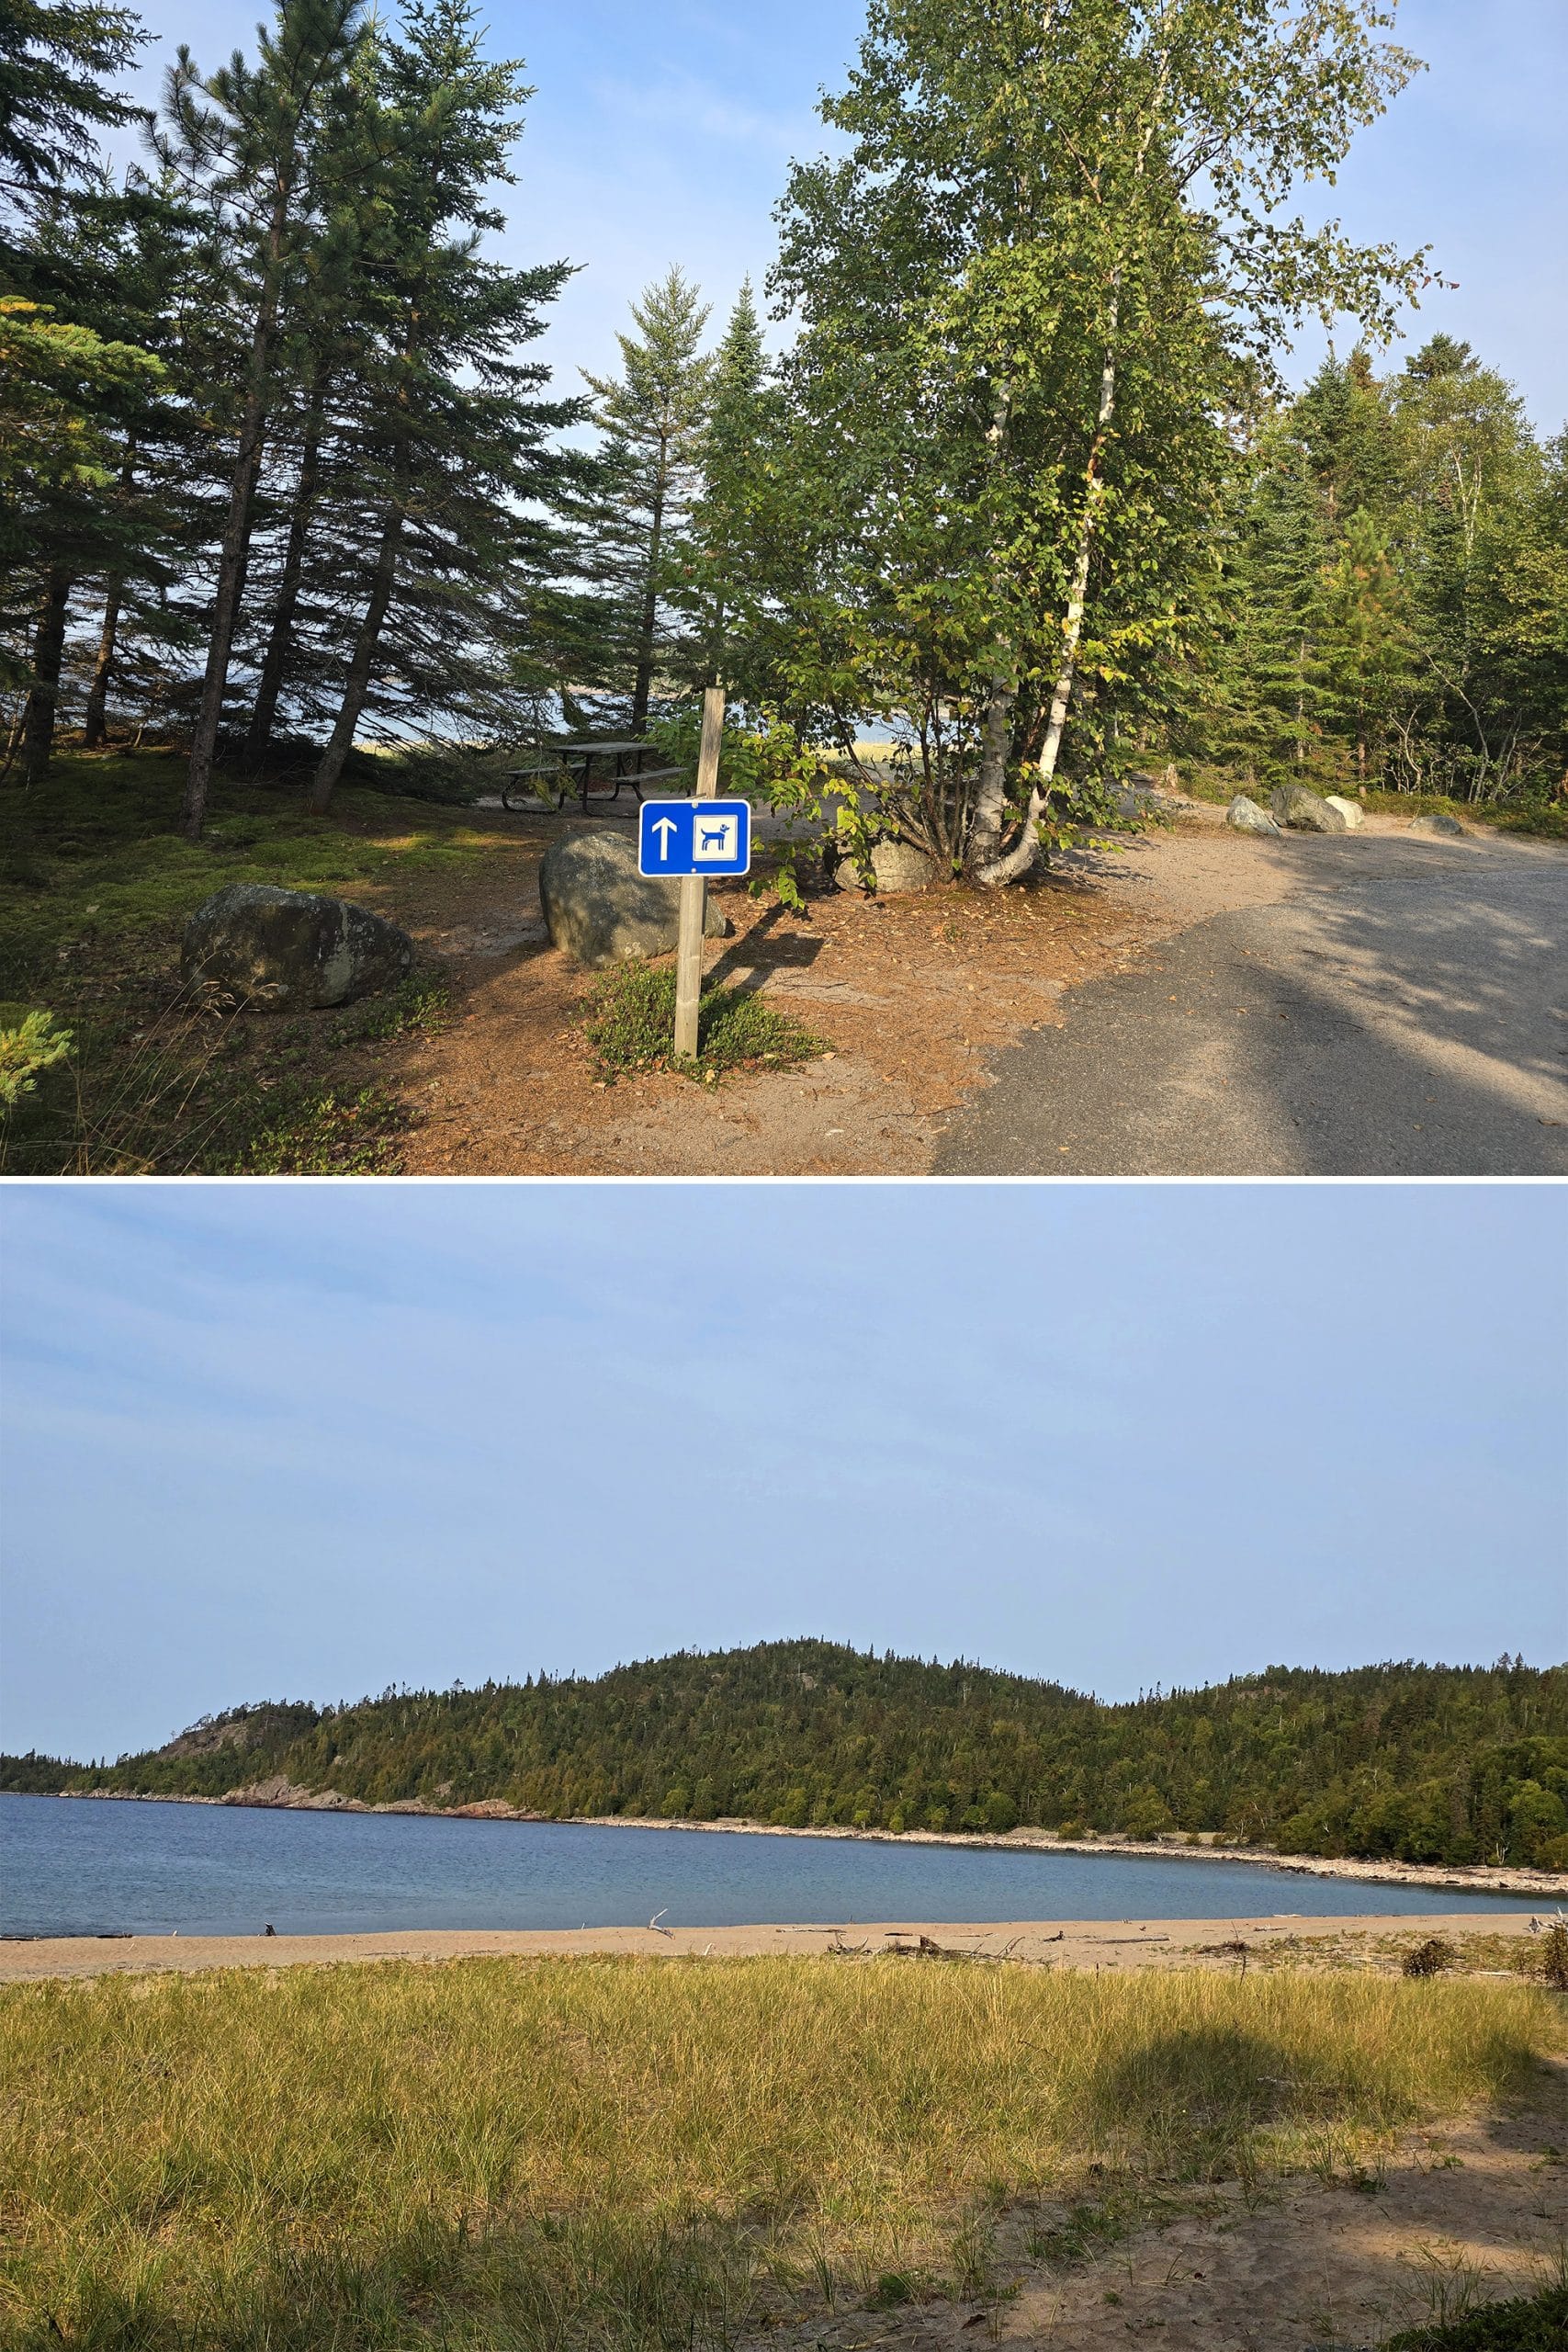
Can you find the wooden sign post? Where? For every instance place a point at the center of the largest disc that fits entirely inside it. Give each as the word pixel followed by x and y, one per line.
pixel 694 889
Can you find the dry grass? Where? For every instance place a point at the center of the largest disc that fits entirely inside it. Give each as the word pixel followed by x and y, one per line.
pixel 612 2152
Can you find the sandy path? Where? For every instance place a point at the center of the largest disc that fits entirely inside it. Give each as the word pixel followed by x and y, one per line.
pixel 1094 1943
pixel 1455 2218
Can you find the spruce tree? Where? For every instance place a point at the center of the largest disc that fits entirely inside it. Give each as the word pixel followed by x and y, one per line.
pixel 720 581
pixel 56 56
pixel 653 417
pixel 450 438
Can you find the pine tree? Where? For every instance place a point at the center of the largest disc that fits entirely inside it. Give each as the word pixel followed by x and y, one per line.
pixel 324 335
pixel 135 268
pixel 243 137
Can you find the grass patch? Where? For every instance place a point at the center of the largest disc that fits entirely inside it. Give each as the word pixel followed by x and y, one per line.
pixel 608 2153
pixel 1526 2323
pixel 95 876
pixel 630 1023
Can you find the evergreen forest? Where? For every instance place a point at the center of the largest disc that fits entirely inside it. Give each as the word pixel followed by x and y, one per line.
pixel 1402 1761
pixel 1003 454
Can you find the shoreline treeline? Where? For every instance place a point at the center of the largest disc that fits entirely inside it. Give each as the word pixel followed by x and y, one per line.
pixel 280 472
pixel 1405 1762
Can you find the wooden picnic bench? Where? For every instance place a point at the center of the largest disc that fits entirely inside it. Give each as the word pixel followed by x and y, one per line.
pixel 549 775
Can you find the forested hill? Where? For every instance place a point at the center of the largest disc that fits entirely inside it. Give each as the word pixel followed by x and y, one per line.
pixel 1421 1763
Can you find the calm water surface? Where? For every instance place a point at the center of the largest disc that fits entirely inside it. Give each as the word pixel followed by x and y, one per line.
pixel 73 1868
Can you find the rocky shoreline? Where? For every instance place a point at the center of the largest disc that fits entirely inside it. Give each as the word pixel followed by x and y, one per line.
pixel 279 1795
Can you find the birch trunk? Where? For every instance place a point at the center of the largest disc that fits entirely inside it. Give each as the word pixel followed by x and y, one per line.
pixel 94 724
pixel 989 815
pixel 991 789
pixel 1021 856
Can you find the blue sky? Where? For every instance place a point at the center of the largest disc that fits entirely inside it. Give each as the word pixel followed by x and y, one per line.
pixel 663 134
pixel 308 1441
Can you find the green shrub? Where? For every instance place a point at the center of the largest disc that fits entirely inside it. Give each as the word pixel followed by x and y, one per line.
pixel 27 1051
pixel 1429 1958
pixel 630 1024
pixel 1553 1960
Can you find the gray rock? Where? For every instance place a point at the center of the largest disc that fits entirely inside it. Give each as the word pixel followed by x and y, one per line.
pixel 599 910
pixel 1304 811
pixel 897 866
pixel 1248 817
pixel 1351 810
pixel 289 951
pixel 1450 826
pixel 1143 796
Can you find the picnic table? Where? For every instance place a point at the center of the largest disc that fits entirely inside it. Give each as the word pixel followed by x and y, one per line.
pixel 563 771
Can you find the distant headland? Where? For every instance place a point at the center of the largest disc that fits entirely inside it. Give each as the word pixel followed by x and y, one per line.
pixel 1455 1775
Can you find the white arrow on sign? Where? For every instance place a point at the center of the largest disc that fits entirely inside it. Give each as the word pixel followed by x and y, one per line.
pixel 664 827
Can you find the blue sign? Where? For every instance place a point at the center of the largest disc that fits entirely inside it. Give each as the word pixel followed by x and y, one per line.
pixel 694 837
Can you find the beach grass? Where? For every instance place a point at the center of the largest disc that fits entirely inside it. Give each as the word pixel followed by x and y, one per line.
pixel 616 2153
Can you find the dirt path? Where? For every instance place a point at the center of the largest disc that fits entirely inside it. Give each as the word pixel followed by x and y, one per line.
pixel 1120 1015
pixel 1355 1940
pixel 1453 2219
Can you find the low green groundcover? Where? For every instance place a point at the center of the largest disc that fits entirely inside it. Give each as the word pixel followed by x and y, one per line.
pixel 630 1024
pixel 1529 2323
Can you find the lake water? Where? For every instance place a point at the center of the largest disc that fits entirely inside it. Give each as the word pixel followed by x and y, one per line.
pixel 70 1867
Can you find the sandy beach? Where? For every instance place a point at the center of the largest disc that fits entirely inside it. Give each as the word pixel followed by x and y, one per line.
pixel 1083 1943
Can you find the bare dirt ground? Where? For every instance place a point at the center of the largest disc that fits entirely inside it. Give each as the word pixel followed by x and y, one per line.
pixel 913 995
pixel 1449 2220
pixel 1357 1941
pixel 921 997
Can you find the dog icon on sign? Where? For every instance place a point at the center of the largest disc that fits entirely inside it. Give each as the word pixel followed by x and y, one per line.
pixel 716 839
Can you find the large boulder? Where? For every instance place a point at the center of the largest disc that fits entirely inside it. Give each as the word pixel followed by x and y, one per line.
pixel 1304 811
pixel 1248 817
pixel 896 866
pixel 289 951
pixel 601 910
pixel 1439 822
pixel 1351 810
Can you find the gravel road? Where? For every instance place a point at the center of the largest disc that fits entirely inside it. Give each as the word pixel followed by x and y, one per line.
pixel 1367 1004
